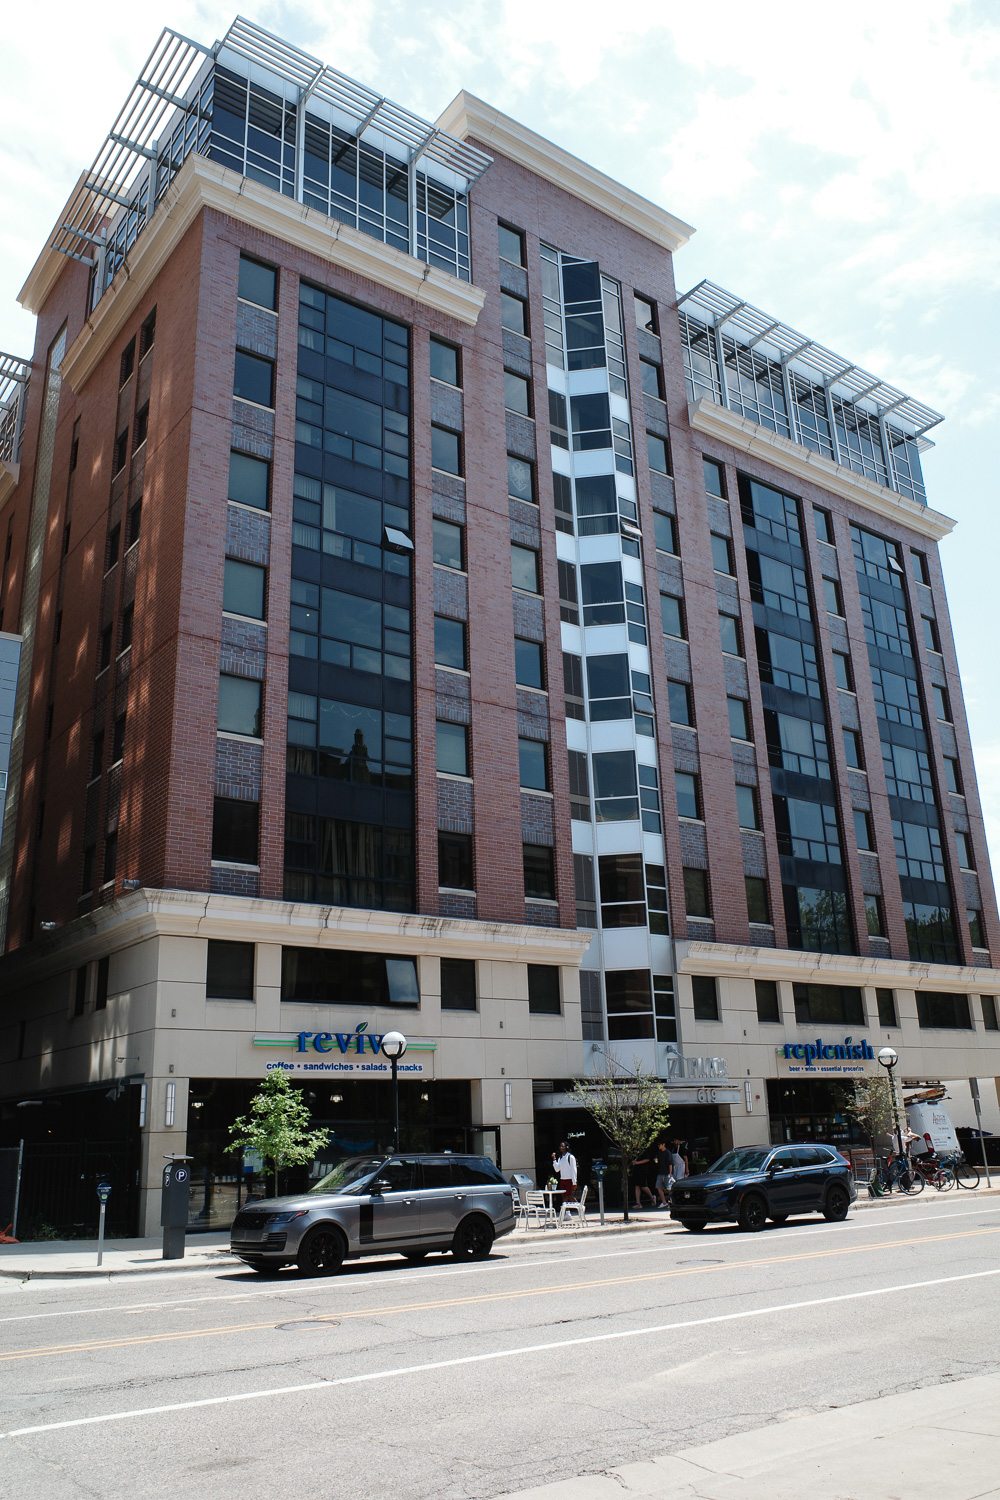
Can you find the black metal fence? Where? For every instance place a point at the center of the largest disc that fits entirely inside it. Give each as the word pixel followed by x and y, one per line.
pixel 59 1189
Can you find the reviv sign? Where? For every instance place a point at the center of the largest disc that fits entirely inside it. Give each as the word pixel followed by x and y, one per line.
pixel 819 1051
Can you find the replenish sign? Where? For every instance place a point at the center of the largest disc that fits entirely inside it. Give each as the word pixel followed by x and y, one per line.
pixel 847 1056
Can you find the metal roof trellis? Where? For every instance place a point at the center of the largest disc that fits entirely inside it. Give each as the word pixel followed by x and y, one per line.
pixel 720 308
pixel 14 373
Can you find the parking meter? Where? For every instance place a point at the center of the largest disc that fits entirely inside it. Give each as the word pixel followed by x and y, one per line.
pixel 174 1206
pixel 599 1168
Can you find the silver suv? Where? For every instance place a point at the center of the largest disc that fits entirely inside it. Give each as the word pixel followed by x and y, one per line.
pixel 372 1205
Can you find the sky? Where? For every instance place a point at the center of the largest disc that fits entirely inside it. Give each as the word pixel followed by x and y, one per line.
pixel 839 165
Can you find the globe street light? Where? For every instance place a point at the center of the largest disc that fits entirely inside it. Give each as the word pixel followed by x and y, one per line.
pixel 889 1057
pixel 393 1046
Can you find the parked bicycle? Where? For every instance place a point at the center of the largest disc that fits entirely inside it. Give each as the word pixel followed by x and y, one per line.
pixel 943 1172
pixel 897 1172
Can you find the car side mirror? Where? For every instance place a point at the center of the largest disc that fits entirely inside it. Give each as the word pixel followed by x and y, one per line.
pixel 776 1166
pixel 381 1185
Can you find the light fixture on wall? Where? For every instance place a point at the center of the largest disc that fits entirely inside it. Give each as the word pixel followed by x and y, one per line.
pixel 336 1098
pixel 508 1102
pixel 47 926
pixel 169 1106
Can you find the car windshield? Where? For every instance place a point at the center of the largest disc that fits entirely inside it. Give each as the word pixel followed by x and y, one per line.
pixel 749 1159
pixel 347 1175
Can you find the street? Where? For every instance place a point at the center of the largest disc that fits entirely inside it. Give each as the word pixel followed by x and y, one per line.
pixel 552 1359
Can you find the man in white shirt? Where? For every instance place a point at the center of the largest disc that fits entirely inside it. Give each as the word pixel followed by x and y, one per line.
pixel 564 1167
pixel 678 1162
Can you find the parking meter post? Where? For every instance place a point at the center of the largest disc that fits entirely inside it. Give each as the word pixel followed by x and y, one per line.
pixel 103 1193
pixel 174 1206
pixel 974 1090
pixel 599 1171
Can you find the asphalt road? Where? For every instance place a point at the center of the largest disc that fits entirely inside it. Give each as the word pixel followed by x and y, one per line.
pixel 547 1361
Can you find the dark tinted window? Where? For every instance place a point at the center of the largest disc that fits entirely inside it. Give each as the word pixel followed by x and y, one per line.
pixel 449 642
pixel 539 872
pixel 400 1174
pixel 258 283
pixel 448 544
pixel 543 990
pixel 475 1172
pixel 528 663
pixel 768 1009
pixel 458 984
pixel 446 450
pixel 455 861
pixel 938 1010
pixel 229 975
pixel 438 1174
pixel 253 378
pixel 444 362
pixel 235 826
pixel 811 1156
pixel 704 993
pixel 249 480
pixel 243 589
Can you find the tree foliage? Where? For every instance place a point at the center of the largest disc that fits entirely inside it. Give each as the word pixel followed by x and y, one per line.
pixel 277 1126
pixel 631 1109
pixel 871 1104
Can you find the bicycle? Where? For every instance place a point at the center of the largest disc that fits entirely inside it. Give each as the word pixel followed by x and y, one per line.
pixel 944 1172
pixel 896 1172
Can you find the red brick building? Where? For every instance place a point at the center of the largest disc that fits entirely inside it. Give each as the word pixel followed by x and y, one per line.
pixel 418 598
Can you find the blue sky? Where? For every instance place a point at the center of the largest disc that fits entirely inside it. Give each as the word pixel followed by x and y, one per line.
pixel 839 166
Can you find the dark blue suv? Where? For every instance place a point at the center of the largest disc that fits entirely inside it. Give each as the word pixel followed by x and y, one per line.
pixel 755 1183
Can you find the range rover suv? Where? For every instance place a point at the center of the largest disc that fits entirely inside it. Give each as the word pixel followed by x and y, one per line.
pixel 377 1204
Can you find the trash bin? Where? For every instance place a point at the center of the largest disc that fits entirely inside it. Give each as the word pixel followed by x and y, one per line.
pixel 521 1183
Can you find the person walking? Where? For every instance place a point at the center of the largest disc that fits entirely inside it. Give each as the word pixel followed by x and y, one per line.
pixel 640 1180
pixel 679 1161
pixel 664 1178
pixel 564 1167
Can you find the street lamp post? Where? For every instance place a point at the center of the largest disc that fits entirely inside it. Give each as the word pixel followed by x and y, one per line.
pixel 888 1057
pixel 393 1047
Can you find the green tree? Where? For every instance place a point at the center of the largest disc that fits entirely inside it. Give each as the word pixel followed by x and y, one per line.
pixel 631 1109
pixel 870 1104
pixel 277 1126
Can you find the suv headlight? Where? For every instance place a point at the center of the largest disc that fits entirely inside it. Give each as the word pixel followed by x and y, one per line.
pixel 274 1220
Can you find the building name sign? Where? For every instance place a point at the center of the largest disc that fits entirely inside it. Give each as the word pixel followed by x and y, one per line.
pixel 354 1051
pixel 847 1056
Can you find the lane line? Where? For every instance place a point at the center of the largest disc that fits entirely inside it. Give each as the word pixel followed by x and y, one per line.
pixel 475 1359
pixel 516 1294
pixel 364 1281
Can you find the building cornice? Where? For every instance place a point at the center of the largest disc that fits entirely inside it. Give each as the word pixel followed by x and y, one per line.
pixel 150 913
pixel 206 184
pixel 739 432
pixel 470 118
pixel 732 961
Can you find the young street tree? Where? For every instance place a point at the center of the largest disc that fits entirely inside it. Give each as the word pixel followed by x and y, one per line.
pixel 277 1127
pixel 870 1104
pixel 631 1109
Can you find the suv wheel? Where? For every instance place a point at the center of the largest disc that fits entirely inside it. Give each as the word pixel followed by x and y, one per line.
pixel 321 1252
pixel 473 1239
pixel 753 1213
pixel 837 1203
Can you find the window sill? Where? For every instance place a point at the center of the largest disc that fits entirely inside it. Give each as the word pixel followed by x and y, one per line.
pixel 244 739
pixel 450 473
pixel 227 614
pixel 229 999
pixel 454 776
pixel 439 666
pixel 526 415
pixel 758 831
pixel 258 306
pixel 256 510
pixel 536 791
pixel 458 572
pixel 528 594
pixel 699 822
pixel 542 901
pixel 436 380
pixel 454 890
pixel 257 405
pixel 233 864
pixel 523 687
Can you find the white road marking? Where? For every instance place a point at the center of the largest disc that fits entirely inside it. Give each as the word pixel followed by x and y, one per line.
pixel 364 1282
pixel 476 1359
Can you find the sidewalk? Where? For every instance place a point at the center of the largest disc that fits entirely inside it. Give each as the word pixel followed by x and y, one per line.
pixel 65 1259
pixel 936 1442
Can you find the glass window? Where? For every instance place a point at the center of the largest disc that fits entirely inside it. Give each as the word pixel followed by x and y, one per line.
pixel 524 569
pixel 533 764
pixel 452 748
pixel 586 906
pixel 941 1011
pixel 977 936
pixel 990 1020
pixel 688 800
pixel 444 362
pixel 729 629
pixel 918 850
pixel 615 786
pixel 807 830
pixel 573 686
pixel 239 706
pixel 235 831
pixel 831 593
pixel 243 589
pixel 513 313
pixel 448 544
pixel 930 932
pixel 622 893
pixel 828 1005
pixel 528 665
pixel 930 633
pixel 672 616
pixel 768 1008
pixel 458 984
pixel 824 525
pixel 324 976
pixel 942 707
pixel 705 996
pixel 952 775
pixel 886 1001
pixel 517 393
pixel 229 974
pixel 920 572
pixel 652 378
pixel 657 453
pixel 520 479
pixel 449 642
pixel 579 786
pixel 455 861
pixel 543 990
pixel 679 698
pixel 739 718
pixel 722 556
pixel 852 749
pixel 645 313
pixel 696 899
pixel 249 480
pixel 253 379
pixel 746 807
pixel 963 847
pixel 609 687
pixel 630 1004
pixel 713 478
pixel 539 872
pixel 511 244
pixel 258 283
pixel 446 450
pixel 842 671
pixel 863 830
pixel 874 917
pixel 664 532
pixel 758 906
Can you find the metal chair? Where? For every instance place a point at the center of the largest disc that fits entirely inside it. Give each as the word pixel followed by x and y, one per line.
pixel 577 1208
pixel 536 1207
